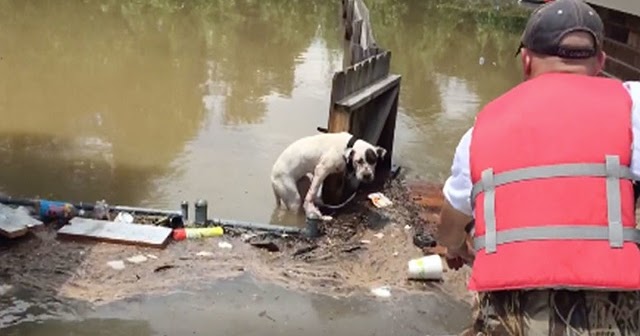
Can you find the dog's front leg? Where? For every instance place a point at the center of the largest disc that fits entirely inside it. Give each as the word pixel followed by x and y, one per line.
pixel 311 210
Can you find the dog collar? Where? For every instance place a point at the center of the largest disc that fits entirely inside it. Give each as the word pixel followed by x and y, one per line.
pixel 352 141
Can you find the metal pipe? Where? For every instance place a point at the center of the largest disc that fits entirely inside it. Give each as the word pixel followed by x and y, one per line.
pixel 256 226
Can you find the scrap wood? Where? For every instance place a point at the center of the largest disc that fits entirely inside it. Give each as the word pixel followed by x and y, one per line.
pixel 16 222
pixel 426 194
pixel 124 233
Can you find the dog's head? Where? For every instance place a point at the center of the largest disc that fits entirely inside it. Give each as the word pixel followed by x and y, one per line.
pixel 363 157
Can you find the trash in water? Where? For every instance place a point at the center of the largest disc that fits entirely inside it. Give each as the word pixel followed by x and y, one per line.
pixel 407 227
pixel 246 236
pixel 151 256
pixel 101 210
pixel 137 259
pixel 267 245
pixel 204 254
pixel 224 245
pixel 116 264
pixel 481 61
pixel 194 233
pixel 163 268
pixel 383 291
pixel 429 267
pixel 123 217
pixel 365 241
pixel 379 235
pixel 379 200
pixel 4 289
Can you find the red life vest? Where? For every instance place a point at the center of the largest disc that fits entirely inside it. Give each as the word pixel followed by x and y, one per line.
pixel 552 195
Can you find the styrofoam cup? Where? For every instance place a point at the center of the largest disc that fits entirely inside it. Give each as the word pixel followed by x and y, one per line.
pixel 426 268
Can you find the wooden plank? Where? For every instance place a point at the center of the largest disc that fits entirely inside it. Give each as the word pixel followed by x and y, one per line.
pixel 122 233
pixel 621 70
pixel 16 222
pixel 634 40
pixel 622 52
pixel 625 6
pixel 339 120
pixel 359 98
pixel 386 140
pixel 376 121
pixel 426 194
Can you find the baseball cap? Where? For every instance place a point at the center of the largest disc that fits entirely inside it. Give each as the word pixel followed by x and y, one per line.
pixel 551 22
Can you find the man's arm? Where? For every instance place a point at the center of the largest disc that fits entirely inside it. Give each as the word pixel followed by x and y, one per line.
pixel 634 92
pixel 456 212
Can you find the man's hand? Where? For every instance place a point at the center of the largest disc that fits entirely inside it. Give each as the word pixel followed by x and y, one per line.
pixel 458 257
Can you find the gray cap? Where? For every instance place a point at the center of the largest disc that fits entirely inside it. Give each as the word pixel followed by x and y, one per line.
pixel 551 22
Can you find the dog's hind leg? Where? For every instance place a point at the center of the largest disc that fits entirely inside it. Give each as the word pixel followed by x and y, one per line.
pixel 287 190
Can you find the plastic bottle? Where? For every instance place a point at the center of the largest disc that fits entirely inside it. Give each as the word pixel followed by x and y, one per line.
pixel 196 233
pixel 52 210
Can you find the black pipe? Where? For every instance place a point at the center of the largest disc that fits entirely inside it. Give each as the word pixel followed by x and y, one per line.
pixel 255 226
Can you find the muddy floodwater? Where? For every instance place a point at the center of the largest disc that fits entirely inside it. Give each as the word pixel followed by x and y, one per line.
pixel 148 103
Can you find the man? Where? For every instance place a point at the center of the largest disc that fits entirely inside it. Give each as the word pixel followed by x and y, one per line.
pixel 546 175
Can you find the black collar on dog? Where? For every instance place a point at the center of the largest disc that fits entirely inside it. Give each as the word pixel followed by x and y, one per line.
pixel 352 141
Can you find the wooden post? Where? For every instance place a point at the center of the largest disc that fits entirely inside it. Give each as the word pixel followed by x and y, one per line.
pixel 364 96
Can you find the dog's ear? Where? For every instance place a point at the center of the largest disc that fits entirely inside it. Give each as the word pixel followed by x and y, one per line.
pixel 348 154
pixel 381 152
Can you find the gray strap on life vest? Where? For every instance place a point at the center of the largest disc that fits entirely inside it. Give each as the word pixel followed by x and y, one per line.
pixel 614 205
pixel 551 171
pixel 489 210
pixel 611 170
pixel 557 231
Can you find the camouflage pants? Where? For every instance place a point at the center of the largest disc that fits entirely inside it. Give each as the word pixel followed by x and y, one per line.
pixel 556 312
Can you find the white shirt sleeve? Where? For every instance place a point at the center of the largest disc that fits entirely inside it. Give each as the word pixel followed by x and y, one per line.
pixel 634 91
pixel 457 187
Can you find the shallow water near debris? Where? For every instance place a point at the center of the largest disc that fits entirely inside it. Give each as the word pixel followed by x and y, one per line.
pixel 239 306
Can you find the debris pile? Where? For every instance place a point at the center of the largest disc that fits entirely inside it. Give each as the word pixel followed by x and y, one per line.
pixel 367 246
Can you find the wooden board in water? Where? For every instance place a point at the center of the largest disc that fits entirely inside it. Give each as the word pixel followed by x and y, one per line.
pixel 122 233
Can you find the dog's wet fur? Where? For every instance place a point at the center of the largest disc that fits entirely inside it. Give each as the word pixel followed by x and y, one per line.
pixel 316 157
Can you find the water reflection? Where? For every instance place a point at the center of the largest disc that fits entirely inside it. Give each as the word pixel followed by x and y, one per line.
pixel 149 103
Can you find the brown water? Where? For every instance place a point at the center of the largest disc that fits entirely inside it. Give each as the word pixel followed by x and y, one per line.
pixel 148 105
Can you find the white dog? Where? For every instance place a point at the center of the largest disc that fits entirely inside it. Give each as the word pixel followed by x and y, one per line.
pixel 316 157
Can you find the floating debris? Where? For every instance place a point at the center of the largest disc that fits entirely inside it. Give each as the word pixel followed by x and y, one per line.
pixel 117 265
pixel 224 245
pixel 204 254
pixel 379 200
pixel 163 268
pixel 137 259
pixel 123 217
pixel 383 291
